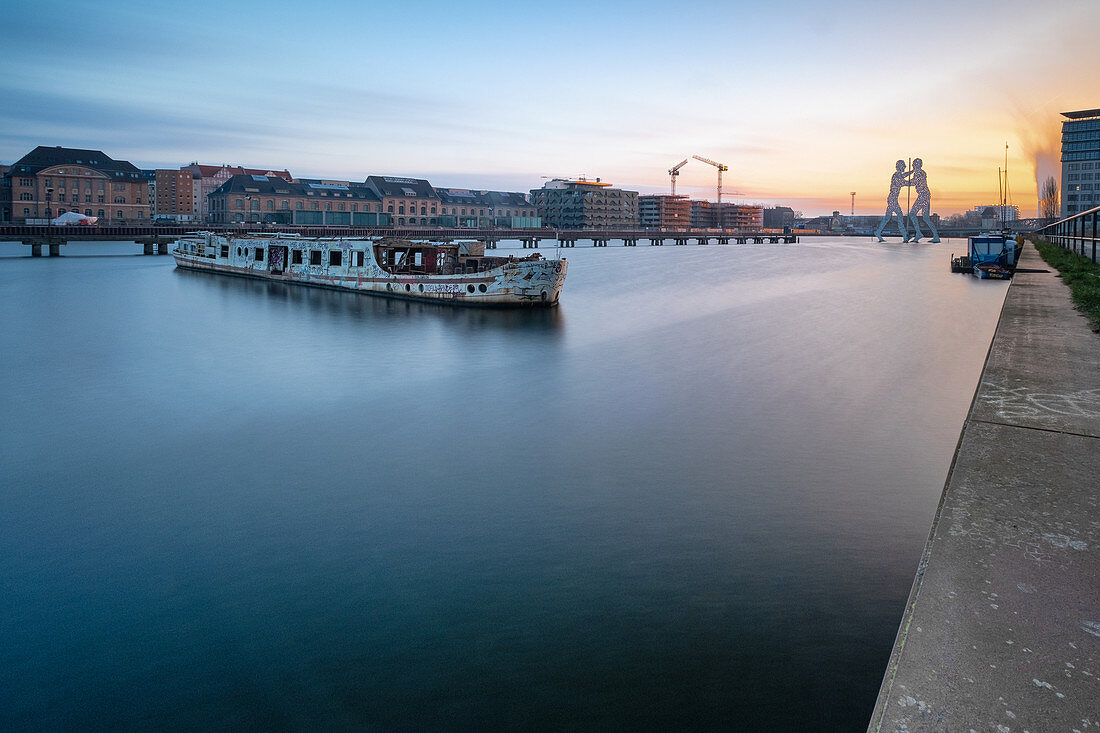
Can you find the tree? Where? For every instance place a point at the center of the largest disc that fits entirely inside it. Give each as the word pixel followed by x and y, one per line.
pixel 1048 199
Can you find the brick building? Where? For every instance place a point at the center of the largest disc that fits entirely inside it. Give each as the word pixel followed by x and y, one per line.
pixel 48 182
pixel 209 178
pixel 260 199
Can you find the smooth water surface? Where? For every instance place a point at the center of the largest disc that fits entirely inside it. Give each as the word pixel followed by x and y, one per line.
pixel 693 496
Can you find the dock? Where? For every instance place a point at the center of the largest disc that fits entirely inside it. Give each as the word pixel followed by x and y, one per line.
pixel 1001 631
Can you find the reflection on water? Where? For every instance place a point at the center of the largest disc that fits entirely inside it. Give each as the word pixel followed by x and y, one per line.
pixel 359 305
pixel 691 496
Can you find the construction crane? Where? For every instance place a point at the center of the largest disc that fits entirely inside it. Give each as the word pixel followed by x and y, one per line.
pixel 720 168
pixel 675 171
pixel 853 203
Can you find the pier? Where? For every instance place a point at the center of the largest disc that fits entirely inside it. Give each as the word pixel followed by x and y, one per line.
pixel 156 239
pixel 1001 630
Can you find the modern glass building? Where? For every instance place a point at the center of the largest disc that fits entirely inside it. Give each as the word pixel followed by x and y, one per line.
pixel 1080 161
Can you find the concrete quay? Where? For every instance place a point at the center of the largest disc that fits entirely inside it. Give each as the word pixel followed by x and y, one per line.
pixel 1001 631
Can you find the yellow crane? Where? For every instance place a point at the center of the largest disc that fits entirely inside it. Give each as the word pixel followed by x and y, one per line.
pixel 720 168
pixel 675 171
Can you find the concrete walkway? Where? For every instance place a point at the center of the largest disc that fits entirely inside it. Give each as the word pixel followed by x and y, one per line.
pixel 1002 628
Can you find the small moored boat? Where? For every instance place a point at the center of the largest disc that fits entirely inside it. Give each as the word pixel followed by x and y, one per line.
pixel 453 272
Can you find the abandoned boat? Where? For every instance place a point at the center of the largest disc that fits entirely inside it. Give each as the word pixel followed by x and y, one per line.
pixel 452 272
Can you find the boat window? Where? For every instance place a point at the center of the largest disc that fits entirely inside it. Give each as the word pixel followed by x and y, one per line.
pixel 335 257
pixel 225 250
pixel 315 257
pixel 296 257
pixel 359 259
pixel 259 254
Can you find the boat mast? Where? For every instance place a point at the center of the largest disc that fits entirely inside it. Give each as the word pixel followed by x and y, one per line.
pixel 1004 192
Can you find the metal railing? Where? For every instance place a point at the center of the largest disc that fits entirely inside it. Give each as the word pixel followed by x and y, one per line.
pixel 1077 233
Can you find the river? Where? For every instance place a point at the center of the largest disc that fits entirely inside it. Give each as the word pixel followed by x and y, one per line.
pixel 692 496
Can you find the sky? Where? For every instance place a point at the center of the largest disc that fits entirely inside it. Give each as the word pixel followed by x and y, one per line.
pixel 804 101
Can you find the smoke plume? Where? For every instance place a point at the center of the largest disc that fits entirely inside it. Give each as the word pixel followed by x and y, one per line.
pixel 1041 139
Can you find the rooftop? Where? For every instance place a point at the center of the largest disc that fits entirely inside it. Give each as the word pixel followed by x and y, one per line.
pixel 1082 114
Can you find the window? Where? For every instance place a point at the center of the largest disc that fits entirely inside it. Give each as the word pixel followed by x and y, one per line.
pixel 120 200
pixel 270 205
pixel 284 205
pixel 254 205
pixel 100 213
pixel 315 257
pixel 313 205
pixel 296 257
pixel 225 250
pixel 87 198
pixel 99 199
pixel 87 212
pixel 49 183
pixel 118 214
pixel 340 207
pixel 259 254
pixel 390 208
pixel 359 258
pixel 26 212
pixel 401 209
pixel 298 205
pixel 328 206
pixel 240 203
pixel 335 257
pixel 141 214
pixel 423 209
pixel 26 182
pixel 355 207
pixel 26 197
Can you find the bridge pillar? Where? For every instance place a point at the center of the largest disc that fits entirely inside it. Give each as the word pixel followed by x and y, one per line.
pixel 36 250
pixel 55 249
pixel 148 247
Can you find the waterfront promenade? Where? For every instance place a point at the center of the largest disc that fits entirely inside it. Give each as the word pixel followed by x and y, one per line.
pixel 1001 631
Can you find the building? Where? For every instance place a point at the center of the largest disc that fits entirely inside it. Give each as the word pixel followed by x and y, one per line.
pixel 662 211
pixel 209 178
pixel 778 217
pixel 48 182
pixel 1010 213
pixel 408 201
pixel 1080 161
pixel 256 199
pixel 461 207
pixel 583 204
pixel 734 216
pixel 174 195
pixel 511 210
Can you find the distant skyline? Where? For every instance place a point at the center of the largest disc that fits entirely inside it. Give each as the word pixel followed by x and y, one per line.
pixel 804 101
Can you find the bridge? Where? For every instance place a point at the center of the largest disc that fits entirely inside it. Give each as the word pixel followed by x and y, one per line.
pixel 156 239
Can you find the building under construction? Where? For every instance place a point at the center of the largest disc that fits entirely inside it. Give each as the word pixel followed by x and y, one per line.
pixel 704 215
pixel 584 204
pixel 661 211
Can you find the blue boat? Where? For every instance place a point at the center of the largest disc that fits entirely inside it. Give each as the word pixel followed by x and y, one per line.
pixel 992 256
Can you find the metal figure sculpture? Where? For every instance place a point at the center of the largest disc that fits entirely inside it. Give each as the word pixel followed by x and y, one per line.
pixel 918 179
pixel 893 208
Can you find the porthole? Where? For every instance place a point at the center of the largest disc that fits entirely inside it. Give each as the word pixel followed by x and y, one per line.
pixel 408 288
pixel 469 288
pixel 389 286
pixel 422 287
pixel 238 251
pixel 482 287
pixel 544 296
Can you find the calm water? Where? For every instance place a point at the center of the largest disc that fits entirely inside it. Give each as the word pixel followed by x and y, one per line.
pixel 693 496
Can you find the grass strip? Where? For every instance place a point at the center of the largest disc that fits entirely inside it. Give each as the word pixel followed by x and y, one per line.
pixel 1080 274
